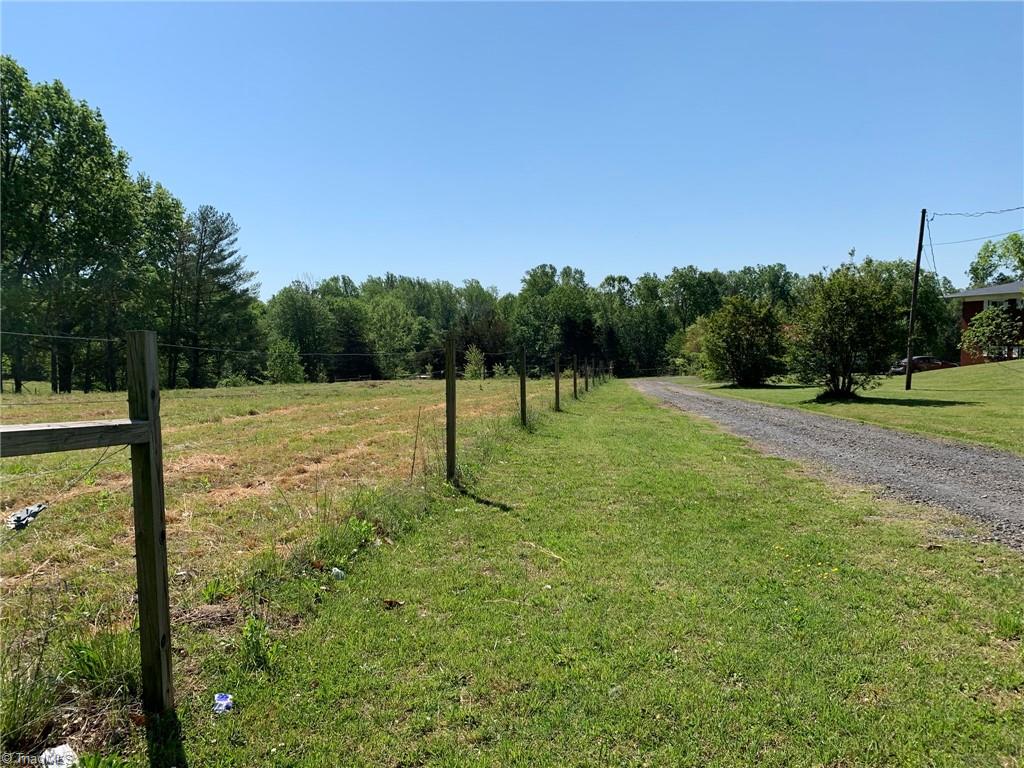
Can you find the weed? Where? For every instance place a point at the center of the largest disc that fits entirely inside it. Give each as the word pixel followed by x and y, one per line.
pixel 102 761
pixel 27 694
pixel 106 663
pixel 1009 625
pixel 258 651
pixel 215 590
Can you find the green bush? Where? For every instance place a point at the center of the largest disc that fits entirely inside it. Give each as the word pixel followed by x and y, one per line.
pixel 474 362
pixel 742 342
pixel 991 332
pixel 284 366
pixel 846 328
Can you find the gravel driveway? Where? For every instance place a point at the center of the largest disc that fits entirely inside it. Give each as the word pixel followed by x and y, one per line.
pixel 981 482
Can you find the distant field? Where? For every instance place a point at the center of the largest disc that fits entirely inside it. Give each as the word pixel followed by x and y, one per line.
pixel 976 403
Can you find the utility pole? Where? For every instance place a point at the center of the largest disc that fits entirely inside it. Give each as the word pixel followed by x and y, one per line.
pixel 913 300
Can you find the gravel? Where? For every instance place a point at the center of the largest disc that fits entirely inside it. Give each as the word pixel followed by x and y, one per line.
pixel 983 483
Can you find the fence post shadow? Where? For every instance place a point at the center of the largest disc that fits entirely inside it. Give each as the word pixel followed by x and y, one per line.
pixel 165 747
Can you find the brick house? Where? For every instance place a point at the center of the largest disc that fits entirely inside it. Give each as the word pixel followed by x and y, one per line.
pixel 974 300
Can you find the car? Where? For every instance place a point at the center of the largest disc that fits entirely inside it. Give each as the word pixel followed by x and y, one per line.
pixel 921 363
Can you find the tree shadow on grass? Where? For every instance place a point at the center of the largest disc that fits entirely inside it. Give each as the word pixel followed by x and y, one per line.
pixel 917 402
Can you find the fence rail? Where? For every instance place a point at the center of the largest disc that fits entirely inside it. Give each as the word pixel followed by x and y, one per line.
pixel 141 430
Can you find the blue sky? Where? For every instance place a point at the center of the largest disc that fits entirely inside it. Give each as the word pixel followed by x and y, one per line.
pixel 478 140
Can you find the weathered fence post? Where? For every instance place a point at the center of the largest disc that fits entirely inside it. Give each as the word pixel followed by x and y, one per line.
pixel 150 527
pixel 522 388
pixel 558 381
pixel 575 394
pixel 449 408
pixel 586 376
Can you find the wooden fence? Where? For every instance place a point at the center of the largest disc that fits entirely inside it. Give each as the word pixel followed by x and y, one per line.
pixel 141 430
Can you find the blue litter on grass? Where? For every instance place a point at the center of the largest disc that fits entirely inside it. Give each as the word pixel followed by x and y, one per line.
pixel 222 702
pixel 20 519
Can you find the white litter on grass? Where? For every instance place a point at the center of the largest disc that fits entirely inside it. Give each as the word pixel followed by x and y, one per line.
pixel 20 519
pixel 338 574
pixel 222 702
pixel 59 757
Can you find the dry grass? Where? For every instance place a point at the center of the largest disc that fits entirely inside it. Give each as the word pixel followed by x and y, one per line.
pixel 242 468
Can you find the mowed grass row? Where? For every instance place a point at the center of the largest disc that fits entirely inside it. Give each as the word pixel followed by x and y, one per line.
pixel 636 588
pixel 975 403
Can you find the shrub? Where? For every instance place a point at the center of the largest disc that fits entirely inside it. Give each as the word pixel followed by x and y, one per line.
pixel 474 362
pixel 846 328
pixel 234 380
pixel 990 332
pixel 742 342
pixel 284 366
pixel 685 348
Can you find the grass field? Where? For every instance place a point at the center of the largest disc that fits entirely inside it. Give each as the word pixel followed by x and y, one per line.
pixel 624 586
pixel 976 403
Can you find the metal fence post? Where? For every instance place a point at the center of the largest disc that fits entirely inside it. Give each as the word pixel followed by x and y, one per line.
pixel 449 407
pixel 558 381
pixel 522 388
pixel 150 527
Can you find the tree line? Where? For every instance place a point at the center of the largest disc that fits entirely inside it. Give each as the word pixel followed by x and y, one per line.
pixel 90 251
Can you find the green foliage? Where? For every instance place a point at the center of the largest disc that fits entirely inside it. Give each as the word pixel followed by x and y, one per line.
pixel 685 348
pixel 93 760
pixel 215 590
pixel 28 692
pixel 1009 625
pixel 475 364
pixel 846 328
pixel 391 330
pixel 742 342
pixel 258 650
pixel 991 331
pixel 231 379
pixel 284 366
pixel 994 257
pixel 104 664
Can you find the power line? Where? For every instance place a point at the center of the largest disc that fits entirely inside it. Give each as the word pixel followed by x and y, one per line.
pixel 976 239
pixel 975 214
pixel 931 248
pixel 52 336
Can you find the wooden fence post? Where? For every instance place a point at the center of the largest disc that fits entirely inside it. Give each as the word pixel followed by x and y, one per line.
pixel 586 376
pixel 575 394
pixel 150 527
pixel 522 387
pixel 558 381
pixel 449 407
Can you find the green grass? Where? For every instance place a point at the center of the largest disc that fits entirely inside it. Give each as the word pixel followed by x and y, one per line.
pixel 621 586
pixel 976 403
pixel 636 588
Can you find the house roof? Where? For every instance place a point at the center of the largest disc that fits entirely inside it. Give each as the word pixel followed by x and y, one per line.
pixel 1015 288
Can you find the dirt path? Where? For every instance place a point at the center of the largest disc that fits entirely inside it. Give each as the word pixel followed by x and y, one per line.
pixel 981 482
